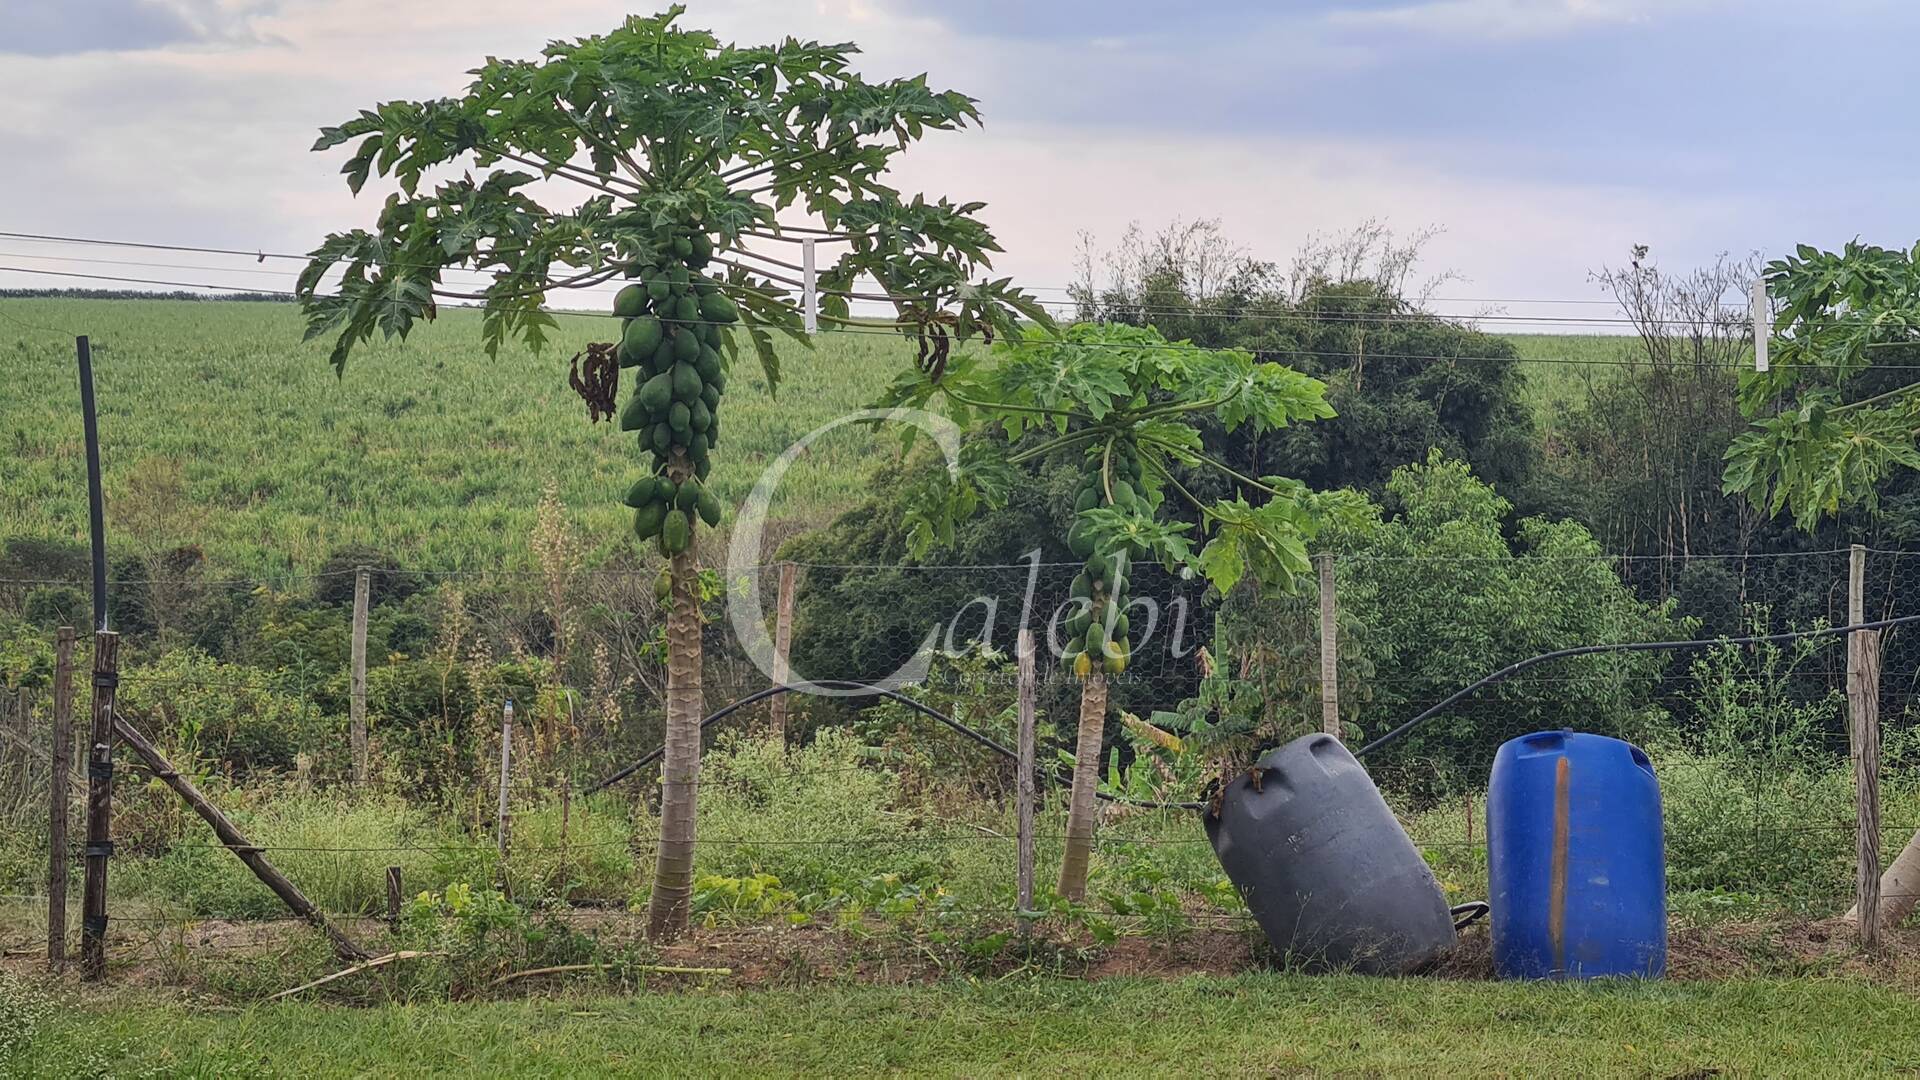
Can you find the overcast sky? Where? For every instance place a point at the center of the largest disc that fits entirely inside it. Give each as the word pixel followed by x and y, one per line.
pixel 1544 136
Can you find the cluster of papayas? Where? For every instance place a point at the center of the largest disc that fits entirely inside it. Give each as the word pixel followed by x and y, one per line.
pixel 674 331
pixel 1097 633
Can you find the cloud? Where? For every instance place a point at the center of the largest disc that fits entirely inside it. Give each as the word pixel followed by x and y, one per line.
pixel 40 28
pixel 1501 18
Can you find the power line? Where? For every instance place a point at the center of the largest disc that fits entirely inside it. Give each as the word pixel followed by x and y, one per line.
pixel 263 255
pixel 883 331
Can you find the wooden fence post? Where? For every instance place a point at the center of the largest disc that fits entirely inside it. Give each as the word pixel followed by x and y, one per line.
pixel 1329 651
pixel 782 643
pixel 236 841
pixel 1863 711
pixel 93 913
pixel 357 701
pixel 394 891
pixel 1024 784
pixel 57 809
pixel 505 820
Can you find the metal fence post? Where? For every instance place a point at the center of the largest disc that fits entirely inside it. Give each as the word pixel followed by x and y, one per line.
pixel 782 644
pixel 93 921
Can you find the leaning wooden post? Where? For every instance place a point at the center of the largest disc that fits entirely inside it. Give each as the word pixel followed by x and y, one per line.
pixel 1329 651
pixel 1023 787
pixel 1863 711
pixel 505 820
pixel 782 642
pixel 357 700
pixel 236 842
pixel 93 910
pixel 57 809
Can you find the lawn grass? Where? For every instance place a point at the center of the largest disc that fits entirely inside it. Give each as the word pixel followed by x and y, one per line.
pixel 1261 1024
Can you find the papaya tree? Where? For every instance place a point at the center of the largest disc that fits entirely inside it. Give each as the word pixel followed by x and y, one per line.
pixel 658 156
pixel 1837 413
pixel 1124 402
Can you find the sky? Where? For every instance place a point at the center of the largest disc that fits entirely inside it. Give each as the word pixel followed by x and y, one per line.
pixel 1544 137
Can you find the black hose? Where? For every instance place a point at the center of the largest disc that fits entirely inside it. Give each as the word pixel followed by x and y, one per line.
pixel 1401 732
pixel 1473 910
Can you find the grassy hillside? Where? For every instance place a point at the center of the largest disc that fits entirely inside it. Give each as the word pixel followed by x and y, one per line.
pixel 426 449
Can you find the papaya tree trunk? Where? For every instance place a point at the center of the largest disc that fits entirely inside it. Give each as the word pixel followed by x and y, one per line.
pixel 668 907
pixel 1083 809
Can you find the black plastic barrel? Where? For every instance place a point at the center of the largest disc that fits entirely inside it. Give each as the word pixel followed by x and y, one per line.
pixel 1326 870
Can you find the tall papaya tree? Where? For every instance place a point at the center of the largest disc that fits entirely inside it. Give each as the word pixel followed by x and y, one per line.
pixel 1124 401
pixel 657 155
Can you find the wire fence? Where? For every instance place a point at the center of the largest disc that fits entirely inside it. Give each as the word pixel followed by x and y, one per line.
pixel 1750 743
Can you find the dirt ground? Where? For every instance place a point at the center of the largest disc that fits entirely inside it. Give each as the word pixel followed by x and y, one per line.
pixel 785 956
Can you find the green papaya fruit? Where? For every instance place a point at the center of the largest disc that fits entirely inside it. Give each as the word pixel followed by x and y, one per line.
pixel 718 308
pixel 698 418
pixel 1123 494
pixel 687 309
pixel 704 286
pixel 656 394
pixel 677 278
pixel 662 438
pixel 635 415
pixel 713 431
pixel 664 356
pixel 1086 500
pixel 676 532
pixel 1078 541
pixel 712 335
pixel 642 336
pixel 682 246
pixel 1077 625
pixel 687 384
pixel 663 585
pixel 679 418
pixel 657 289
pixel 1138 470
pixel 1097 640
pixel 709 506
pixel 1082 588
pixel 702 250
pixel 686 345
pixel 697 451
pixel 630 301
pixel 710 394
pixel 702 467
pixel 719 380
pixel 708 365
pixel 647 520
pixel 642 492
pixel 687 495
pixel 1120 626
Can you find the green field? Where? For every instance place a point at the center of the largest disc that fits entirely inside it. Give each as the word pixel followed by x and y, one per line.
pixel 1252 1025
pixel 426 449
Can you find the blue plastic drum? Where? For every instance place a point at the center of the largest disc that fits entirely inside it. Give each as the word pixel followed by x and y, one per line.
pixel 1576 862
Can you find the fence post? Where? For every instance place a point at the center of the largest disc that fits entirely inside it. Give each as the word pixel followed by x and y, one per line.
pixel 1023 787
pixel 357 702
pixel 782 641
pixel 505 826
pixel 62 755
pixel 93 916
pixel 1329 650
pixel 1863 711
pixel 393 897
